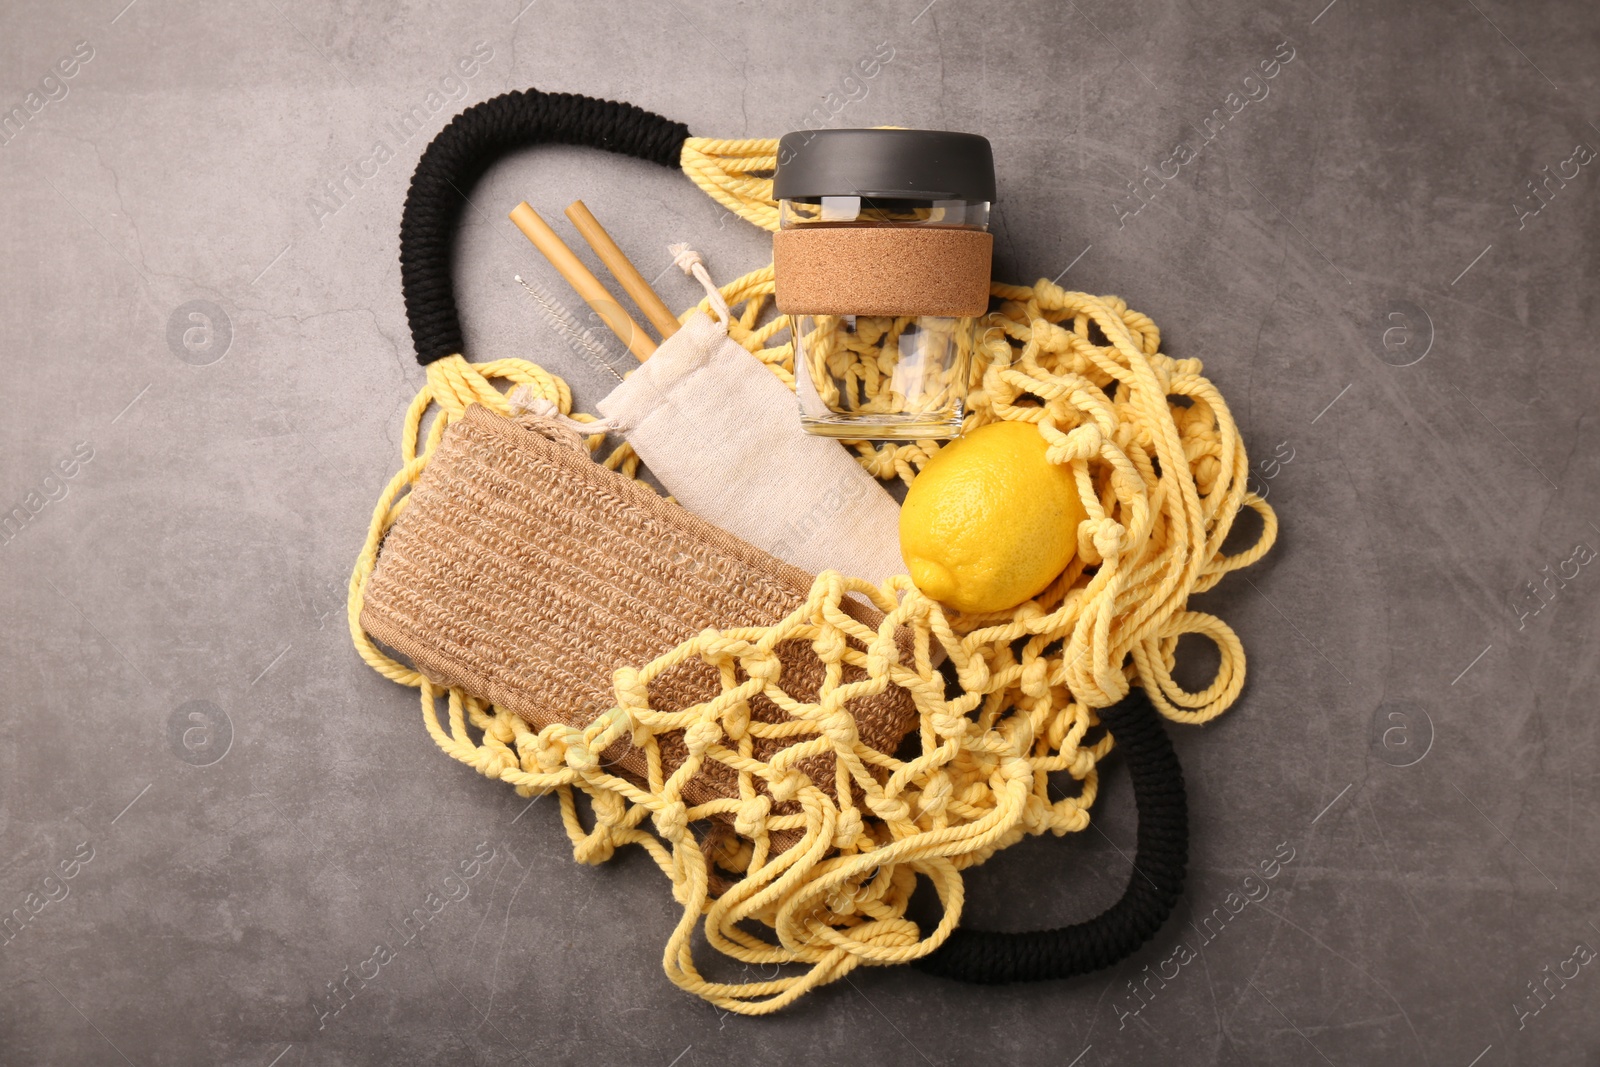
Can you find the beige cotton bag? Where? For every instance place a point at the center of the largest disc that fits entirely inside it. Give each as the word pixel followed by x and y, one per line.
pixel 722 434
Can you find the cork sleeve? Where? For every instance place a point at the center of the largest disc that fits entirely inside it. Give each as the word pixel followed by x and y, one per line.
pixel 882 270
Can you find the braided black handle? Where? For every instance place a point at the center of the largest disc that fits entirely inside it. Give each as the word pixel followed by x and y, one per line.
pixel 1153 888
pixel 466 148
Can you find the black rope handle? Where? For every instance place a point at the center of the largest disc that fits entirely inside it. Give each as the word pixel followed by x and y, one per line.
pixel 454 161
pixel 1153 888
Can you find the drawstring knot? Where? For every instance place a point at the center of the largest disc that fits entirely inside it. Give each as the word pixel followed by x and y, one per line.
pixel 688 260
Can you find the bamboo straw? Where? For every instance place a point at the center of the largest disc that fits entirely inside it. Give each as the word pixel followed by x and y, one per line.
pixel 582 281
pixel 622 268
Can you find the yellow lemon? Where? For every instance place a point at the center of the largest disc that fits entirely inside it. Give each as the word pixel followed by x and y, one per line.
pixel 990 522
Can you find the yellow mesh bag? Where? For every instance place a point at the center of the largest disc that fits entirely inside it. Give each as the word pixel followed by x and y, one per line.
pixel 1162 472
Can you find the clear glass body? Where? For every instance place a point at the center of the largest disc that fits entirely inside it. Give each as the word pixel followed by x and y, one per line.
pixel 882 376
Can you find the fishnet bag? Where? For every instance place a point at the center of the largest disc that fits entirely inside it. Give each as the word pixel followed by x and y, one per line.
pixel 1026 693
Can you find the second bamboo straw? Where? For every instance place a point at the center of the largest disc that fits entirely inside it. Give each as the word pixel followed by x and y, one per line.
pixel 622 268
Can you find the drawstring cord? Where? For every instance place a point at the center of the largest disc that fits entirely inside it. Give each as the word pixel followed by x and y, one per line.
pixel 688 260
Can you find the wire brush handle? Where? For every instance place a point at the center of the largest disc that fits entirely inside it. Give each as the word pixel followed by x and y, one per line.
pixel 456 158
pixel 1153 888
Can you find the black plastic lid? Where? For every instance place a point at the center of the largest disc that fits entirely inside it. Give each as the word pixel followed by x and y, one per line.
pixel 906 164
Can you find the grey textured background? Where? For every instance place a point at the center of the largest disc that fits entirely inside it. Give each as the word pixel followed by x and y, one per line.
pixel 247 849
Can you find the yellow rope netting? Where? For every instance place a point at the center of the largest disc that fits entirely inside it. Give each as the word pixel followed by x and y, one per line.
pixel 1162 472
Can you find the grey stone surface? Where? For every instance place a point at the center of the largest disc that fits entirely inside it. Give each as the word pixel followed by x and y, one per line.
pixel 181 697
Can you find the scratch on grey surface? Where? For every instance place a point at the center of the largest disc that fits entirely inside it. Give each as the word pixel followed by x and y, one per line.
pixel 1261 961
pixel 1011 246
pixel 131 803
pixel 1470 305
pixel 132 402
pixel 1474 662
pixel 1150 1029
pixel 1297 872
pixel 1503 436
pixel 1566 855
pixel 1566 463
pixel 104 239
pixel 485 1021
pixel 1216 1009
pixel 1395 867
pixel 97 630
pixel 744 98
pixel 180 858
pixel 851 983
pixel 1255 350
pixel 1296 629
pixel 310 845
pixel 494 969
pixel 465 1045
pixel 1421 1047
pixel 86 1019
pixel 1109 41
pixel 122 207
pixel 393 341
pixel 138 240
pixel 1094 1016
pixel 1074 262
pixel 1332 402
pixel 1327 1028
pixel 269 315
pixel 454 1032
pixel 1514 44
pixel 1302 1034
pixel 687 21
pixel 1277 290
pixel 1332 802
pixel 1507 839
pixel 1298 230
pixel 328 462
pixel 1494 883
pixel 494 887
pixel 983 80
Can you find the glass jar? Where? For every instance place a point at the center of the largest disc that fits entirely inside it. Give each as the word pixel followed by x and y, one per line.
pixel 881 263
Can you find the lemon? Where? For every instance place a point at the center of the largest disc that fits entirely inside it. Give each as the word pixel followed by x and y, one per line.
pixel 990 522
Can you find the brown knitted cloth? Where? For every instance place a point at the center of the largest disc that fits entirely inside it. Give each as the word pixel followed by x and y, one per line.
pixel 525 573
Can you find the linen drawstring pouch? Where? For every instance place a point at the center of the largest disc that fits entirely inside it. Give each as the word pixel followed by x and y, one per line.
pixel 721 433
